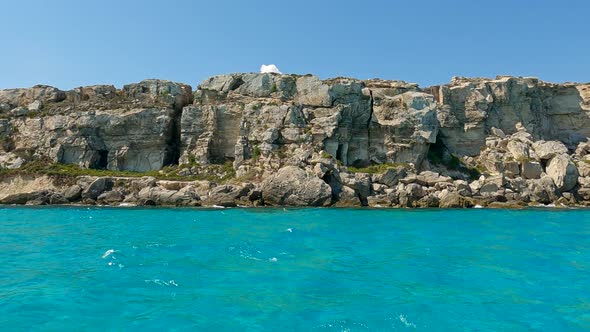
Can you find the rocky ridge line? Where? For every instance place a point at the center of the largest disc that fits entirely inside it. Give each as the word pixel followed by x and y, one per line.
pixel 298 140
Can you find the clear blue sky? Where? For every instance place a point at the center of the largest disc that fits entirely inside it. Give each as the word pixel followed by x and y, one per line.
pixel 73 43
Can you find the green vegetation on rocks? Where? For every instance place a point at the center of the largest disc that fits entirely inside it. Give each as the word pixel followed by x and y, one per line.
pixel 220 173
pixel 376 169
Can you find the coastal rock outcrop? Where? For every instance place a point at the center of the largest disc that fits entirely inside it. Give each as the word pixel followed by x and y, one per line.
pixel 471 107
pixel 246 116
pixel 250 139
pixel 133 129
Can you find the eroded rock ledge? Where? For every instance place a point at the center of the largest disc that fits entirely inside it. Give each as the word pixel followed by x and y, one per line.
pixel 298 140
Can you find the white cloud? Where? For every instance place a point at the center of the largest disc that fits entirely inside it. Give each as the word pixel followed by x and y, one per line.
pixel 270 69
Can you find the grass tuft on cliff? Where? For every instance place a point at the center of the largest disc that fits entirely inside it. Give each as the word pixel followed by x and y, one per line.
pixel 375 169
pixel 220 173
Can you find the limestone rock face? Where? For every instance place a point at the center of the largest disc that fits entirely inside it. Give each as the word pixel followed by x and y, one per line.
pixel 253 118
pixel 403 125
pixel 292 185
pixel 275 139
pixel 472 107
pixel 98 126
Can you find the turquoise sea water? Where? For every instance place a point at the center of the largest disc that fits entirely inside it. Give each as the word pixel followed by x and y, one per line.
pixel 103 269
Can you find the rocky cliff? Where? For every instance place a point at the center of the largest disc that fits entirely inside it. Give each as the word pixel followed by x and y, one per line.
pixel 269 139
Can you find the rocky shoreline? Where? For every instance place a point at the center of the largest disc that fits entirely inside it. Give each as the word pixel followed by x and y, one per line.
pixel 296 140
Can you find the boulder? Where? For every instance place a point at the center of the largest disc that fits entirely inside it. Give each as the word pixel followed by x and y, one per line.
pixel 489 189
pixel 361 183
pixel 584 167
pixel 110 197
pixel 97 187
pixel 542 190
pixel 463 188
pixel 548 149
pixel 58 199
pixel 144 182
pixel 584 194
pixel 563 172
pixel 294 186
pixel 40 200
pixel 415 191
pixel 391 176
pixel 348 197
pixel 11 160
pixel 519 150
pixel 229 195
pixel 35 106
pixel 583 148
pixel 428 201
pixel 380 201
pixel 20 198
pixel 497 132
pixel 73 193
pixel 454 200
pixel 511 169
pixel 161 196
pixel 428 178
pixel 531 169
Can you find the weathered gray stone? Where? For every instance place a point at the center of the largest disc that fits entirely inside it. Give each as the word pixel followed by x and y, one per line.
pixel 519 151
pixel 348 197
pixel 454 200
pixel 471 106
pixel 543 190
pixel 292 185
pixel 35 106
pixel 73 193
pixel 547 150
pixel 563 172
pixel 266 122
pixel 159 196
pixel 313 92
pixel 428 178
pixel 110 197
pixel 97 187
pixel 531 169
pixel 584 167
pixel 391 176
pixel 511 169
pixel 228 195
pixel 57 199
pixel 99 127
pixel 19 198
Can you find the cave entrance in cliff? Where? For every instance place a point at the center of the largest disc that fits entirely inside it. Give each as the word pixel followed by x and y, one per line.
pixel 102 160
pixel 172 152
pixel 341 153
